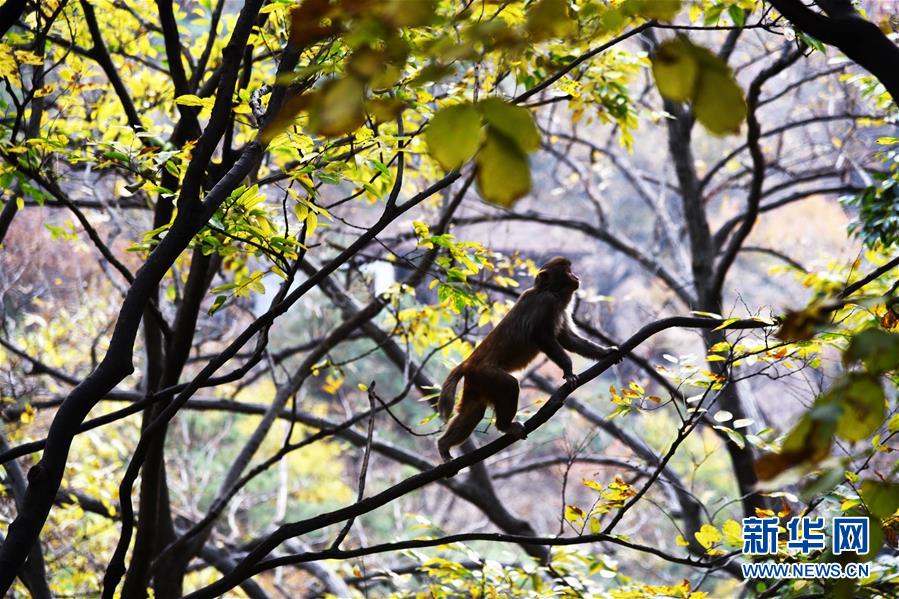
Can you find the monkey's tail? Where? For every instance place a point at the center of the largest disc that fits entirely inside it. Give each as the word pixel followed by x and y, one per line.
pixel 448 392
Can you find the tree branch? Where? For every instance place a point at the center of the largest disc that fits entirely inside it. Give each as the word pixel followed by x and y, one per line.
pixel 759 167
pixel 480 536
pixel 859 39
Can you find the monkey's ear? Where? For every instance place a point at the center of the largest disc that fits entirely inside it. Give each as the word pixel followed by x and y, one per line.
pixel 542 279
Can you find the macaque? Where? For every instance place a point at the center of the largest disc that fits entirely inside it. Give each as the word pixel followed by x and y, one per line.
pixel 538 322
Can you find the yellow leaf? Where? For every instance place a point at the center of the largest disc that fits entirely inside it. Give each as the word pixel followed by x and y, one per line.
pixel 338 108
pixel 332 384
pixel 8 67
pixel 503 172
pixel 189 100
pixel 403 13
pixel 675 69
pixel 27 57
pixel 719 103
pixel 550 18
pixel 384 109
pixel 593 484
pixel 684 71
pixel 311 223
pixel 707 536
pixel 312 21
pixel 660 10
pixel 454 135
pixel 733 533
pixel 514 122
pixel 726 324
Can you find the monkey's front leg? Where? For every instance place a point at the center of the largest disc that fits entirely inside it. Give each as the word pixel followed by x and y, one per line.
pixel 516 429
pixel 550 346
pixel 571 341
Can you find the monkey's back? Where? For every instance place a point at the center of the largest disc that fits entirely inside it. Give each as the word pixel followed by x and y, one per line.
pixel 510 344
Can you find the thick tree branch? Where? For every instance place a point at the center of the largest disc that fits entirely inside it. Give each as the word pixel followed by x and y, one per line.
pixel 101 55
pixel 858 38
pixel 481 536
pixel 173 47
pixel 10 13
pixel 33 574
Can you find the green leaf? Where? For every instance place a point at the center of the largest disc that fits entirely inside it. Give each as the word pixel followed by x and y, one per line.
pixel 811 42
pixel 736 15
pixel 247 195
pixel 454 135
pixel 808 442
pixel 877 349
pixel 675 69
pixel 514 122
pixel 893 423
pixel 823 484
pixel 882 498
pixel 612 19
pixel 216 304
pixel 113 155
pixel 863 403
pixel 503 172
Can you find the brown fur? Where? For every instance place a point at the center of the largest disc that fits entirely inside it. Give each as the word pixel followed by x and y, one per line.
pixel 538 322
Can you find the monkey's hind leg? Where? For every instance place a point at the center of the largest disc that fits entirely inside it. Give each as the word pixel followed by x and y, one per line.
pixel 504 397
pixel 460 426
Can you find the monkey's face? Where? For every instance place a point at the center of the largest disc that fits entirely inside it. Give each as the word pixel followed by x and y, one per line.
pixel 556 275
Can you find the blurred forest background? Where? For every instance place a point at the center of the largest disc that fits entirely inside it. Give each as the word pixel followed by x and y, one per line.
pixel 244 242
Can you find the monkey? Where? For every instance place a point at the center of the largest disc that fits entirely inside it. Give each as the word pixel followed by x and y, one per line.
pixel 538 322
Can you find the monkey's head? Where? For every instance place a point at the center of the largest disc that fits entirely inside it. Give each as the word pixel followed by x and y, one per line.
pixel 556 276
